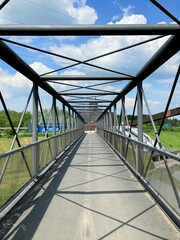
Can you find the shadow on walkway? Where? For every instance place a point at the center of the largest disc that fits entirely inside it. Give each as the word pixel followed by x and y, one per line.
pixel 39 202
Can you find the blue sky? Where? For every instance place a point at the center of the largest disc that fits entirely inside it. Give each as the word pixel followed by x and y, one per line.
pixel 109 8
pixel 156 87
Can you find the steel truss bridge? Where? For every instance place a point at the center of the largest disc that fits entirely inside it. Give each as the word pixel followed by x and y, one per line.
pixel 100 184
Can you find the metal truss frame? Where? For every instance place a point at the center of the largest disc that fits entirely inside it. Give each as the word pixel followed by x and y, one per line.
pixel 77 104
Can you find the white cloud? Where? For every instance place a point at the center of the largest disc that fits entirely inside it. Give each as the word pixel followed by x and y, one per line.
pixel 133 19
pixel 152 103
pixel 74 11
pixel 72 72
pixel 129 61
pixel 40 68
pixel 166 81
pixel 16 85
pixel 83 14
pixel 129 102
pixel 127 16
pixel 147 86
pixel 48 12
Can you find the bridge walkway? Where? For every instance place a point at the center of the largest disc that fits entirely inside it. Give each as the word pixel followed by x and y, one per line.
pixel 91 195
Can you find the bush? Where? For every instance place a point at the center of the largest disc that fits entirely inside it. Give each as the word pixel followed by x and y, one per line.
pixel 8 133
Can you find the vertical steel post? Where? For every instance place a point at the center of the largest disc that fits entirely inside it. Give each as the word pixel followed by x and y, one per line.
pixel 123 124
pixel 139 158
pixel 110 119
pixel 114 125
pixel 54 116
pixel 72 127
pixel 115 117
pixel 75 121
pixel 106 120
pixel 69 119
pixel 54 125
pixel 35 154
pixel 63 118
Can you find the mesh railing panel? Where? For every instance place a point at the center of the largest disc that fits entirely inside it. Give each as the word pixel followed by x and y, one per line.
pixel 19 162
pixel 159 170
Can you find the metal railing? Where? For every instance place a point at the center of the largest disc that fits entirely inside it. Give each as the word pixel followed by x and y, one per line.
pixel 160 167
pixel 19 163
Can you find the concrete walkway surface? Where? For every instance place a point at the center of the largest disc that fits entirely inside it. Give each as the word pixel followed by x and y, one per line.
pixel 91 195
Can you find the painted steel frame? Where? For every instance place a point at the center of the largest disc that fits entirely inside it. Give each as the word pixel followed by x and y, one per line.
pixel 75 120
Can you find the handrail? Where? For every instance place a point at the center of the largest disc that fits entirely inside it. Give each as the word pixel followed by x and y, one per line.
pixel 164 152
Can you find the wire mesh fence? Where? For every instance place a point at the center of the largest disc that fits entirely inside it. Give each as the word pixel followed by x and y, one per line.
pixel 16 165
pixel 160 168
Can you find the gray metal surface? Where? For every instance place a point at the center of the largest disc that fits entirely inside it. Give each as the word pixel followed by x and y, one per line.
pixel 89 30
pixel 92 195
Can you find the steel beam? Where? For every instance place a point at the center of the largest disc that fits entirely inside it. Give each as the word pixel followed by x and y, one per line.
pixel 88 93
pixel 54 125
pixel 139 156
pixel 115 117
pixel 63 118
pixel 3 3
pixel 12 59
pixel 90 101
pixel 84 78
pixel 35 152
pixel 123 124
pixel 89 30
pixel 69 118
pixel 90 110
pixel 165 11
pixel 89 106
pixel 169 49
pixel 54 116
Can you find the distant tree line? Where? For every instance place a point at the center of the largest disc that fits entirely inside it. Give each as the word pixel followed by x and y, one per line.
pixel 16 116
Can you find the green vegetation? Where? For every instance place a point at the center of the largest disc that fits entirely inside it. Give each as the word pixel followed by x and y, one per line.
pixel 5 143
pixel 170 139
pixel 15 118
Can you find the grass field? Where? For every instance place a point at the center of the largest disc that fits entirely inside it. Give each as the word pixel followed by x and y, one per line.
pixel 16 173
pixel 5 143
pixel 169 139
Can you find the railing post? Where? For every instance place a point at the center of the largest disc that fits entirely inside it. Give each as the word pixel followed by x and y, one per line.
pixel 35 154
pixel 106 121
pixel 114 125
pixel 110 119
pixel 63 118
pixel 139 157
pixel 115 117
pixel 69 119
pixel 72 123
pixel 123 124
pixel 54 126
pixel 75 125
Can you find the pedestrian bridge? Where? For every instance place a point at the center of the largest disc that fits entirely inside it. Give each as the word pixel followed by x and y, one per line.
pixel 90 194
pixel 107 183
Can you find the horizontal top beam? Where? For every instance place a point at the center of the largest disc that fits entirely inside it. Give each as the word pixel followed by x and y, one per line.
pixel 89 106
pixel 88 93
pixel 89 30
pixel 89 109
pixel 84 78
pixel 88 101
